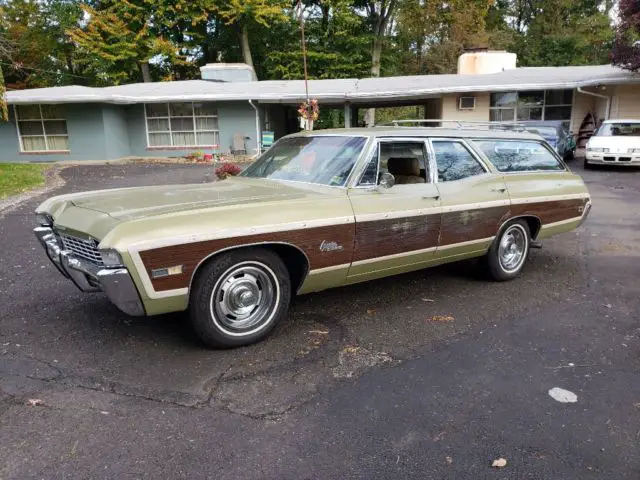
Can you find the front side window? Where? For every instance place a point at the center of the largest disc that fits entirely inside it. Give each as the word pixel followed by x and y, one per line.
pixel 405 160
pixel 186 124
pixel 42 128
pixel 454 161
pixel 325 160
pixel 518 155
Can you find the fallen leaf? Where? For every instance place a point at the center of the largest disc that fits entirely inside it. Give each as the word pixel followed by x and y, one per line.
pixel 350 349
pixel 442 318
pixel 371 312
pixel 319 332
pixel 428 300
pixel 34 402
pixel 499 463
pixel 449 460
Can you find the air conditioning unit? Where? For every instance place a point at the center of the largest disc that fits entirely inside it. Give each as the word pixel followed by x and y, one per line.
pixel 466 103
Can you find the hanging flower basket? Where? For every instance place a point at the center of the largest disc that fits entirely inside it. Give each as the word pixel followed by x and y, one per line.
pixel 309 111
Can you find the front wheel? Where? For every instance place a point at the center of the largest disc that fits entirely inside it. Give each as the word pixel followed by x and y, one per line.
pixel 239 297
pixel 587 165
pixel 509 251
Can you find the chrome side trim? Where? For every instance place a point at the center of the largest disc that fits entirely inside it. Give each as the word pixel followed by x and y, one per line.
pixel 395 255
pixel 464 244
pixel 563 222
pixel 332 268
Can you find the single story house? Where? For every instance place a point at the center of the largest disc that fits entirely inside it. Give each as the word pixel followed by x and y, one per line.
pixel 228 109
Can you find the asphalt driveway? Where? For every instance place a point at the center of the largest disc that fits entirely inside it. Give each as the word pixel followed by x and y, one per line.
pixel 368 381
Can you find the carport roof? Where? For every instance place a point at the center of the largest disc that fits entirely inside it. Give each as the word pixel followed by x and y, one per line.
pixel 366 90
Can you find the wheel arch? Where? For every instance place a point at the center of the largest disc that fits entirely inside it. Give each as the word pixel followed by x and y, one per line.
pixel 294 258
pixel 534 223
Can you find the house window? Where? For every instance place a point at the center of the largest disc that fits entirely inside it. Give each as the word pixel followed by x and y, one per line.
pixel 182 125
pixel 531 105
pixel 42 128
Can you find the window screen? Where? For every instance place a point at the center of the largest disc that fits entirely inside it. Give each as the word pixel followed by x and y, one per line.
pixel 42 128
pixel 183 124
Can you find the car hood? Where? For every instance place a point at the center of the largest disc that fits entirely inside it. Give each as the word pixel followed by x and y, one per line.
pixel 141 202
pixel 615 144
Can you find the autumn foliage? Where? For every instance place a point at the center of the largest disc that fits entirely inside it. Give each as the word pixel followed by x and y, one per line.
pixel 626 49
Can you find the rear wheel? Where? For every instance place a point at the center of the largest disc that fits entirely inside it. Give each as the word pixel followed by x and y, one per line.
pixel 509 251
pixel 239 297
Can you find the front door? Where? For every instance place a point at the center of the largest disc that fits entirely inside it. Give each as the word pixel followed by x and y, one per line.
pixel 475 202
pixel 397 228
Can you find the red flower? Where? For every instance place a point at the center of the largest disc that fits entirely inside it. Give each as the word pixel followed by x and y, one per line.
pixel 226 169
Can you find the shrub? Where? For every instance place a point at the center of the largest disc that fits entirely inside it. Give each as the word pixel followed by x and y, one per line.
pixel 226 169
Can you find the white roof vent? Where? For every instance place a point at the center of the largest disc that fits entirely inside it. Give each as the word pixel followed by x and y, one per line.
pixel 228 72
pixel 474 63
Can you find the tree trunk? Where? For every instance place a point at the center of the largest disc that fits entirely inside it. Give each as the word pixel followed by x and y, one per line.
pixel 146 75
pixel 244 43
pixel 376 54
pixel 4 113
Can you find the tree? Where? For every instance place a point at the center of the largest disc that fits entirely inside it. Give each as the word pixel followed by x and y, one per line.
pixel 626 49
pixel 126 35
pixel 432 34
pixel 378 17
pixel 241 14
pixel 552 32
pixel 337 44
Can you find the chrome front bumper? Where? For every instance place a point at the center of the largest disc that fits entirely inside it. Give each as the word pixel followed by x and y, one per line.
pixel 88 277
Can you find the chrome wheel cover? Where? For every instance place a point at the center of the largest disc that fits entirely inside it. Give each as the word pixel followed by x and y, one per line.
pixel 513 247
pixel 245 298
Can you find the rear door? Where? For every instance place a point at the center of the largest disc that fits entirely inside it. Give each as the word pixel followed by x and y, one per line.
pixel 474 200
pixel 539 184
pixel 397 228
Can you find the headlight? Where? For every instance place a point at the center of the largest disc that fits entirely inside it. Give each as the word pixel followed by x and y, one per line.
pixel 597 150
pixel 44 219
pixel 634 150
pixel 111 258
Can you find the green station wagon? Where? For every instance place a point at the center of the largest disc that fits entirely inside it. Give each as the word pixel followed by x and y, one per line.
pixel 318 210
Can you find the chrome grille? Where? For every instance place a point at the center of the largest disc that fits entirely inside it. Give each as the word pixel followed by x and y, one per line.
pixel 85 249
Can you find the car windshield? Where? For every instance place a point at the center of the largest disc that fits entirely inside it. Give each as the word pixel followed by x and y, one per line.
pixel 626 129
pixel 325 160
pixel 544 131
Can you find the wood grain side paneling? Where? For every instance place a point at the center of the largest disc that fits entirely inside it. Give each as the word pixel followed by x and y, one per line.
pixel 365 240
pixel 191 254
pixel 469 225
pixel 399 235
pixel 550 212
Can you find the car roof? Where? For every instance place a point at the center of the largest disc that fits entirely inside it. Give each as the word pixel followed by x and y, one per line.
pixel 423 132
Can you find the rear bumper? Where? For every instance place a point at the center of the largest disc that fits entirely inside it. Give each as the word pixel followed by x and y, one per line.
pixel 116 283
pixel 585 213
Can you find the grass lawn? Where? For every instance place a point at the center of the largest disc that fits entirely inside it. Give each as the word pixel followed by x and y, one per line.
pixel 19 177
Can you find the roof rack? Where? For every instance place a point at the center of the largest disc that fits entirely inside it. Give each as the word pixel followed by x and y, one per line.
pixel 460 124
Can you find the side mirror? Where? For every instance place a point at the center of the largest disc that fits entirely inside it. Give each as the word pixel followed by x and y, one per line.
pixel 387 180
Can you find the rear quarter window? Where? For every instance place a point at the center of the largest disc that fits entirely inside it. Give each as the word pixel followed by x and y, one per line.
pixel 519 155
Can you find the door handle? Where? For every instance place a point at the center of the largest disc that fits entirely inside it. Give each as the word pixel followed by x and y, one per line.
pixel 499 189
pixel 431 197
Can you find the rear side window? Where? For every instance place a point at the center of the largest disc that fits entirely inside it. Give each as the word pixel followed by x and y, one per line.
pixel 454 161
pixel 518 155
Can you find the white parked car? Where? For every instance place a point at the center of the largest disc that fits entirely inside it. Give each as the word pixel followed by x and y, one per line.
pixel 616 142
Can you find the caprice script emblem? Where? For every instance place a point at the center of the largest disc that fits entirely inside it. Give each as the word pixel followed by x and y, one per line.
pixel 330 246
